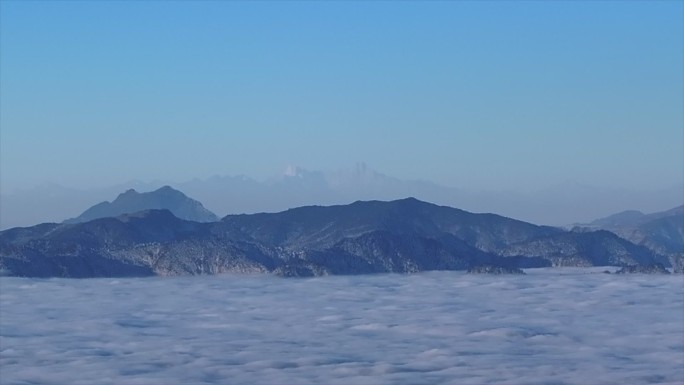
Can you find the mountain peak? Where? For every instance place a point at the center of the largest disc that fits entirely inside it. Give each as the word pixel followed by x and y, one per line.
pixel 129 192
pixel 292 171
pixel 167 188
pixel 169 191
pixel 164 198
pixel 410 200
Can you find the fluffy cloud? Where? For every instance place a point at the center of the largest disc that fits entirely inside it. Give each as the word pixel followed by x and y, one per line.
pixel 552 326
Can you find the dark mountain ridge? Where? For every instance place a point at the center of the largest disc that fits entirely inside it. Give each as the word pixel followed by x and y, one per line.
pixel 322 226
pixel 402 236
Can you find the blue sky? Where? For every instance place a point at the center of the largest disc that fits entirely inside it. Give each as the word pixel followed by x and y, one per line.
pixel 491 95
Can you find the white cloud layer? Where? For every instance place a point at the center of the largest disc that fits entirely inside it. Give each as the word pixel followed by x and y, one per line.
pixel 550 327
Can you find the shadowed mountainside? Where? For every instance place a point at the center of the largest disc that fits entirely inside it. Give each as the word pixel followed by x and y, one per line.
pixel 401 236
pixel 662 232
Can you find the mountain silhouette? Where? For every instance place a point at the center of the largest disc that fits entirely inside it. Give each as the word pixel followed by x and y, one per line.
pixel 401 236
pixel 132 201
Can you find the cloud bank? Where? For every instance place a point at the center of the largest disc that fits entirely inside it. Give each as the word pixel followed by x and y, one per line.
pixel 550 327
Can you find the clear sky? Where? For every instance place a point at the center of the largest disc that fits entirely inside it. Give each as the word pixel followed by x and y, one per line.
pixel 493 95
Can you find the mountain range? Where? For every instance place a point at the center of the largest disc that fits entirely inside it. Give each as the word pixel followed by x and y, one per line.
pixel 557 205
pixel 403 236
pixel 662 232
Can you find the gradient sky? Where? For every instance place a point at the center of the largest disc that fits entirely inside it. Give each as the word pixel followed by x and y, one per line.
pixel 481 95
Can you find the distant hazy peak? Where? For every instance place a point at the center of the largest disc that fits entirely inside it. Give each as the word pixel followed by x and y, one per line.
pixel 622 218
pixel 631 218
pixel 164 198
pixel 293 171
pixel 129 192
pixel 679 210
pixel 662 232
pixel 169 191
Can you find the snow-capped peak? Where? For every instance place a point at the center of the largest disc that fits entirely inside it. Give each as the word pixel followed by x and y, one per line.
pixel 293 171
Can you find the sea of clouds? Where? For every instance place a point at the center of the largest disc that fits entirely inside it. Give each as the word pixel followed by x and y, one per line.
pixel 562 326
